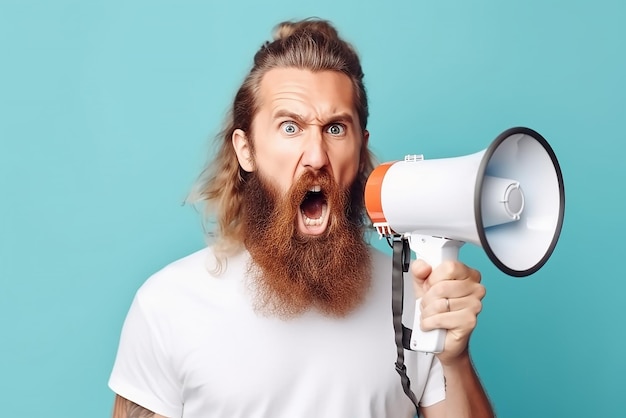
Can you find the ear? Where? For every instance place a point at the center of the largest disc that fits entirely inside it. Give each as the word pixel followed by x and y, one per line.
pixel 364 153
pixel 366 138
pixel 243 150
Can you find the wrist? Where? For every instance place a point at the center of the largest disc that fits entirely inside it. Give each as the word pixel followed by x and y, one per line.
pixel 459 361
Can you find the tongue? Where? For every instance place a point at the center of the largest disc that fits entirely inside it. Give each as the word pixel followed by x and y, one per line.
pixel 312 207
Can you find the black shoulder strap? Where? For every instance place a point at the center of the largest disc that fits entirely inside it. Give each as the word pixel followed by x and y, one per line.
pixel 401 259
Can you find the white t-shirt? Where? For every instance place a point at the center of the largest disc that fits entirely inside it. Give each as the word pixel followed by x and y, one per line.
pixel 193 346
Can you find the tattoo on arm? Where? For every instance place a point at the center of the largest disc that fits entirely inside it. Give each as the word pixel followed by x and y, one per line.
pixel 124 408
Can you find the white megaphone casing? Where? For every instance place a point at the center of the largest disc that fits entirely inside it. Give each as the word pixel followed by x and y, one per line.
pixel 508 199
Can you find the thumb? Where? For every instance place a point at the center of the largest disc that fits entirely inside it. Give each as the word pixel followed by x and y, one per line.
pixel 421 271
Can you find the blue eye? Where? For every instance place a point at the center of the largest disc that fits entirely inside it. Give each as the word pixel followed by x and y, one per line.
pixel 289 128
pixel 336 129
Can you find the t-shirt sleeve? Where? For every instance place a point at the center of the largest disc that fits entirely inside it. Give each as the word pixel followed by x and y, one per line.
pixel 435 388
pixel 142 371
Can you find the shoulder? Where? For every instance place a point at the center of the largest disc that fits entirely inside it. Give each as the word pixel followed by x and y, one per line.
pixel 199 265
pixel 187 267
pixel 190 278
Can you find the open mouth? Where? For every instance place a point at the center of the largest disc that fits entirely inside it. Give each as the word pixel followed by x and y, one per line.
pixel 314 207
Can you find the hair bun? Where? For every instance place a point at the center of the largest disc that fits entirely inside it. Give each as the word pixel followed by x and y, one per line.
pixel 312 25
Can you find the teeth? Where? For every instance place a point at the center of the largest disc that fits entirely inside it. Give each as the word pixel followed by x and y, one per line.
pixel 314 222
pixel 315 189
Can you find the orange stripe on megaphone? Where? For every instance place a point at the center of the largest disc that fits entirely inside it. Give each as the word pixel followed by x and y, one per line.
pixel 373 188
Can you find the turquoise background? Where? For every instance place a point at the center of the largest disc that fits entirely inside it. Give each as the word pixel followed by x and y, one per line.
pixel 106 113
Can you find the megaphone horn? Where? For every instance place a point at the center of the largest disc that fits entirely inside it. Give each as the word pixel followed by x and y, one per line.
pixel 508 199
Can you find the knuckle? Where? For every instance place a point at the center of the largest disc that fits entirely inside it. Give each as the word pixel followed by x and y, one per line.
pixel 481 291
pixel 471 322
pixel 478 307
pixel 476 275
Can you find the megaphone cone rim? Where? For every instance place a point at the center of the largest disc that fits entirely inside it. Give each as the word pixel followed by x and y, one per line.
pixel 478 193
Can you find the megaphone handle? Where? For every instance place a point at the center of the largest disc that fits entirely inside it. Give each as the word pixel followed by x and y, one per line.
pixel 433 250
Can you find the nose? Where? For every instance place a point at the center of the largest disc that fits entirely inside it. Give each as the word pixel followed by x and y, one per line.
pixel 315 152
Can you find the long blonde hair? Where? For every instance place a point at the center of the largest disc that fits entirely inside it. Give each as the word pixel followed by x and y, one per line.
pixel 311 44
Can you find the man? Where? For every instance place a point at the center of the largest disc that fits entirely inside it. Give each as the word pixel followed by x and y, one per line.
pixel 288 313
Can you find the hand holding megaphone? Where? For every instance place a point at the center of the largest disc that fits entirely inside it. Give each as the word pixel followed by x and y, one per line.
pixel 433 250
pixel 508 199
pixel 451 298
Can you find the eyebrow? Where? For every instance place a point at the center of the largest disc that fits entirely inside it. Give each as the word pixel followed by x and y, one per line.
pixel 340 117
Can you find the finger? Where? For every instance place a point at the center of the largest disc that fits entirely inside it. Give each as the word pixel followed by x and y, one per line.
pixel 461 322
pixel 453 289
pixel 420 269
pixel 453 270
pixel 434 307
pixel 432 304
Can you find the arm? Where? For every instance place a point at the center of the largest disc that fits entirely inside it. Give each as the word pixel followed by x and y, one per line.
pixel 123 408
pixel 465 396
pixel 451 299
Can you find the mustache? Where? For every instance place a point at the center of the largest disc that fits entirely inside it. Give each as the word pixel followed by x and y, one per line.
pixel 310 179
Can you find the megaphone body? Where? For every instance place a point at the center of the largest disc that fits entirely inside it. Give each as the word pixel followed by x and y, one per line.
pixel 507 199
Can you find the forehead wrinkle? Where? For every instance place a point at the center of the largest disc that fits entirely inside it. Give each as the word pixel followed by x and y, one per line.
pixel 295 98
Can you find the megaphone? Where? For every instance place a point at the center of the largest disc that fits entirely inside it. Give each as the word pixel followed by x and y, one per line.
pixel 508 199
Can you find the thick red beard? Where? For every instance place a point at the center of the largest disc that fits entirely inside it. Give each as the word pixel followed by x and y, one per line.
pixel 295 272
